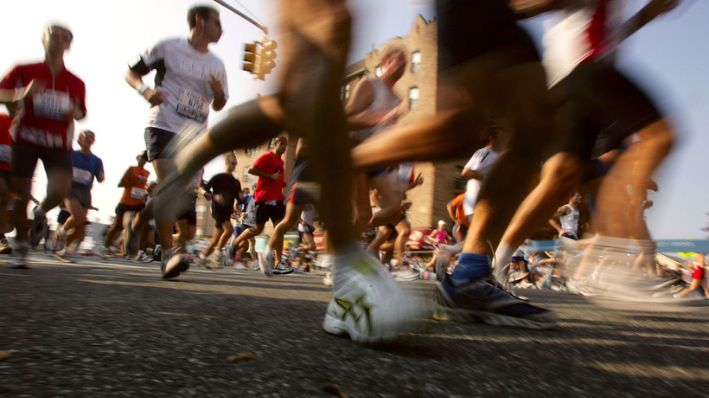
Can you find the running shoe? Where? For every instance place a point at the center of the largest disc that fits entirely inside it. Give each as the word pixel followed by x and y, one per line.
pixel 143 257
pixel 132 243
pixel 266 260
pixel 406 275
pixel 64 256
pixel 38 227
pixel 283 268
pixel 368 305
pixel 485 300
pixel 19 256
pixel 5 247
pixel 172 265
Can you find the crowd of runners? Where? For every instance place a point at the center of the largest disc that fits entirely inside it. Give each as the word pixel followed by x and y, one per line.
pixel 545 130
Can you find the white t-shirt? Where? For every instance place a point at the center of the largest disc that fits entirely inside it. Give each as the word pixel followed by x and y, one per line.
pixel 384 101
pixel 183 76
pixel 569 220
pixel 566 37
pixel 481 162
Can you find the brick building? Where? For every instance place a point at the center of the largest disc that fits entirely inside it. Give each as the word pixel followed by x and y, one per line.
pixel 418 90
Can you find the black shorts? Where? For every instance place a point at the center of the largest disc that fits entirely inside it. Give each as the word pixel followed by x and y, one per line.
pixel 82 195
pixel 274 212
pixel 156 142
pixel 598 108
pixel 468 29
pixel 5 176
pixel 221 214
pixel 121 208
pixel 62 216
pixel 25 156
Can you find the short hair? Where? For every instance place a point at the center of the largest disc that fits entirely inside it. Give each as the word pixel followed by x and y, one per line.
pixel 87 133
pixel 48 28
pixel 202 11
pixel 280 138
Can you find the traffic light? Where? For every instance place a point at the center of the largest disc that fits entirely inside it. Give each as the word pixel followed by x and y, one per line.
pixel 268 55
pixel 251 58
pixel 259 58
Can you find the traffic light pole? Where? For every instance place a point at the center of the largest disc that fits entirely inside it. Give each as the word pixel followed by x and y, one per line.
pixel 242 15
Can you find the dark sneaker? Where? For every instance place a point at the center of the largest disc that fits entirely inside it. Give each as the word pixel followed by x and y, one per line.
pixel 485 300
pixel 5 246
pixel 19 258
pixel 173 265
pixel 132 244
pixel 282 269
pixel 38 228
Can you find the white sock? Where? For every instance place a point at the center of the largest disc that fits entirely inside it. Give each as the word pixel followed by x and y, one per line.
pixel 503 255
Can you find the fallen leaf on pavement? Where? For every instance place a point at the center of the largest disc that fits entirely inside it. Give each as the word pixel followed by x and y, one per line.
pixel 242 356
pixel 334 390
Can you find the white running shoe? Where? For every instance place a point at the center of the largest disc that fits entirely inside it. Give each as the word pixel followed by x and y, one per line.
pixel 368 305
pixel 266 259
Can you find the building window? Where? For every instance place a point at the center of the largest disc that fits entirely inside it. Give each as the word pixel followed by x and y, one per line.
pixel 415 61
pixel 346 91
pixel 413 96
pixel 378 71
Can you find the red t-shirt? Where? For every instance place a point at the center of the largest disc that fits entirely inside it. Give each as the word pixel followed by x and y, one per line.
pixel 43 120
pixel 266 188
pixel 5 142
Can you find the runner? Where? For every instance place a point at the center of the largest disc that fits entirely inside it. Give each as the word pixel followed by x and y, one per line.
pixel 134 183
pixel 87 167
pixel 372 107
pixel 189 79
pixel 600 108
pixel 222 190
pixel 317 35
pixel 297 200
pixel 566 218
pixel 5 195
pixel 268 196
pixel 489 69
pixel 479 166
pixel 52 98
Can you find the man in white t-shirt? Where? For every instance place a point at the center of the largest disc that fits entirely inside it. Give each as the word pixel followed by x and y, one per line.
pixel 189 79
pixel 566 218
pixel 478 166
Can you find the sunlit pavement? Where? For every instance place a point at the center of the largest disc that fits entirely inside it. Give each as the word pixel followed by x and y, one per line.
pixel 98 328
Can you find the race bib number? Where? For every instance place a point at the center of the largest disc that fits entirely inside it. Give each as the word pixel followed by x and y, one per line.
pixel 83 176
pixel 193 106
pixel 138 193
pixel 51 104
pixel 5 153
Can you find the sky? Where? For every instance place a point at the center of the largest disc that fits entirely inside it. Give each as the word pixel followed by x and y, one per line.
pixel 667 57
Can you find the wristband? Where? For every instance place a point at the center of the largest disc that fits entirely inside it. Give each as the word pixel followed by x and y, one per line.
pixel 142 89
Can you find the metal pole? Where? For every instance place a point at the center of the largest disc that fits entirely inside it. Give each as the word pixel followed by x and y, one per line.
pixel 241 14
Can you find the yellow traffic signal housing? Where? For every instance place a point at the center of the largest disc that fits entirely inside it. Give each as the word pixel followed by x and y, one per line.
pixel 251 58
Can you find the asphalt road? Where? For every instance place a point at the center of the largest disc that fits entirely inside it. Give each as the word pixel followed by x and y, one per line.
pixel 115 329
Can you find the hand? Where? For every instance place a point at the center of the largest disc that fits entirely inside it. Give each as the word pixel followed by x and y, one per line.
pixel 35 86
pixel 275 176
pixel 219 199
pixel 208 196
pixel 75 113
pixel 216 85
pixel 154 96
